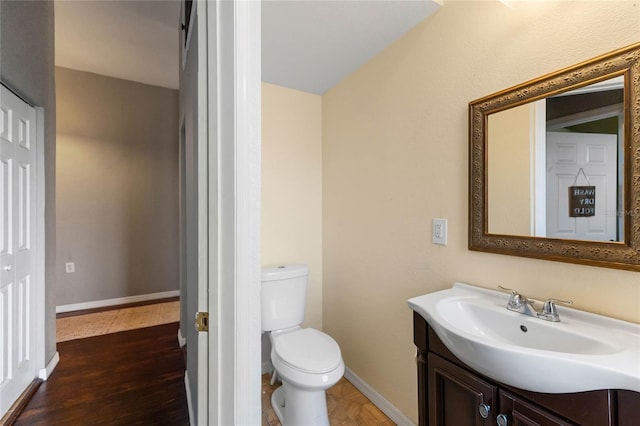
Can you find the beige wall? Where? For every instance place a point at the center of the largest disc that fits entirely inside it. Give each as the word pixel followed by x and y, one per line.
pixel 509 156
pixel 117 187
pixel 27 66
pixel 395 155
pixel 292 186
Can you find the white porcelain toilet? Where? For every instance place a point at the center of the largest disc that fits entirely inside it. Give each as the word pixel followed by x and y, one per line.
pixel 307 361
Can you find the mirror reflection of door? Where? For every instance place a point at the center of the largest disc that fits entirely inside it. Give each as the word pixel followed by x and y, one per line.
pixel 595 154
pixel 584 130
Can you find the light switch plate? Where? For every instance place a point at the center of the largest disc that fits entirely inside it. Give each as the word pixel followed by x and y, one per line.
pixel 70 267
pixel 439 231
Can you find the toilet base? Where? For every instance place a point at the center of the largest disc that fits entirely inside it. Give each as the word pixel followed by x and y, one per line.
pixel 295 407
pixel 277 402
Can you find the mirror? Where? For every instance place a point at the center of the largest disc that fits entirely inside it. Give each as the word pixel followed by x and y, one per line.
pixel 538 150
pixel 555 165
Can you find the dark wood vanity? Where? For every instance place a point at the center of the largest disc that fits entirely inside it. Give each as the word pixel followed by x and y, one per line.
pixel 452 394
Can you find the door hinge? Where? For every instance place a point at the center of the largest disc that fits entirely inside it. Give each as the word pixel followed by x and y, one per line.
pixel 202 321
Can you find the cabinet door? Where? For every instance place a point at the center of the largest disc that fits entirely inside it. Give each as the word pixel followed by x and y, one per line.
pixel 458 397
pixel 628 408
pixel 515 411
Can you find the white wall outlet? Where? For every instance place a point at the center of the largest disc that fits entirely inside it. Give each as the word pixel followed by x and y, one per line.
pixel 440 231
pixel 70 267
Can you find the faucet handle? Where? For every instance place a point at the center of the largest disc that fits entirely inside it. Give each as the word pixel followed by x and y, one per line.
pixel 550 305
pixel 516 300
pixel 513 292
pixel 549 310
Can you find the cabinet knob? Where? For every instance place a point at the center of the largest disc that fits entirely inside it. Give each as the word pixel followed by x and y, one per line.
pixel 484 409
pixel 502 420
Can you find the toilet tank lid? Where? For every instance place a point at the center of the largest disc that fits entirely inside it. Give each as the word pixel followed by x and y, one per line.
pixel 284 272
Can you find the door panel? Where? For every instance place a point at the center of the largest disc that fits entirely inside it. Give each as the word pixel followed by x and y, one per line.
pixel 6 166
pixel 456 395
pixel 24 206
pixel 17 254
pixel 6 291
pixel 520 412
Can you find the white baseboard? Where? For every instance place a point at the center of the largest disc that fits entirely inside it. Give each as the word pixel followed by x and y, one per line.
pixel 267 367
pixel 396 416
pixel 44 373
pixel 117 301
pixel 181 340
pixel 189 403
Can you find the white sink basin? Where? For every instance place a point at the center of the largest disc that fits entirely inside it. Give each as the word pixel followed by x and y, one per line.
pixel 582 352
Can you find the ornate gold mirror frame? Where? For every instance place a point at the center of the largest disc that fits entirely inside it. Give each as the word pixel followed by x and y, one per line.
pixel 621 255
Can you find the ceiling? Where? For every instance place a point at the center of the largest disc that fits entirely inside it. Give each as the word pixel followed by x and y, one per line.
pixel 313 45
pixel 307 45
pixel 132 40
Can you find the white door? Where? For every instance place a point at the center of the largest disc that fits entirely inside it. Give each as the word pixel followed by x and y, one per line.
pixel 194 198
pixel 17 247
pixel 567 153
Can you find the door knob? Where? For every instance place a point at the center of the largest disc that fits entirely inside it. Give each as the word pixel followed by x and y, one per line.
pixel 484 409
pixel 502 420
pixel 7 267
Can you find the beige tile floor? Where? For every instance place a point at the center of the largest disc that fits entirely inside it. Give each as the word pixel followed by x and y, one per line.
pixel 346 406
pixel 96 324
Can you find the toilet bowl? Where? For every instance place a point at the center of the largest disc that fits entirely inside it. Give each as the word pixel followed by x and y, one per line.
pixel 307 360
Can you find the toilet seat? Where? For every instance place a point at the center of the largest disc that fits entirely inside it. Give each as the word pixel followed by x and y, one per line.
pixel 308 350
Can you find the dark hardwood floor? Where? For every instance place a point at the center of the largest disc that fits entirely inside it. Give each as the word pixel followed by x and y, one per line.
pixel 129 378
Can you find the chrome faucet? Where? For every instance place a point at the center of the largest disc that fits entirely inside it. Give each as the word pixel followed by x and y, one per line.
pixel 523 305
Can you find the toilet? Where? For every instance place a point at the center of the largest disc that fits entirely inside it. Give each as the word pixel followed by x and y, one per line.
pixel 307 361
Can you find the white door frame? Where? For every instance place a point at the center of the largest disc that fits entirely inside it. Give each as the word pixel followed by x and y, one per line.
pixel 234 104
pixel 45 370
pixel 539 169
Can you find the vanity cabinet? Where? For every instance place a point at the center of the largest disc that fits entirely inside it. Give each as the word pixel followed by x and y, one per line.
pixel 452 394
pixel 459 397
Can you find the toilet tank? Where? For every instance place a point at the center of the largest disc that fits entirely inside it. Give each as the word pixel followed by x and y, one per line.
pixel 283 296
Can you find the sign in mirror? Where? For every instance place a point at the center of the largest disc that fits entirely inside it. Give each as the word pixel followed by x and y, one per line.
pixel 555 166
